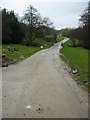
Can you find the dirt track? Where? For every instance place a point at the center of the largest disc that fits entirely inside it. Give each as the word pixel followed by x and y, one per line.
pixel 40 87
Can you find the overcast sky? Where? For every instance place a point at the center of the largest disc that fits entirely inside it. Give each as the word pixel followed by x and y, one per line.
pixel 62 13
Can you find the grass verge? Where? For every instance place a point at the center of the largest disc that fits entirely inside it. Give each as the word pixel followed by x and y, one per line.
pixel 60 39
pixel 77 58
pixel 0 49
pixel 21 51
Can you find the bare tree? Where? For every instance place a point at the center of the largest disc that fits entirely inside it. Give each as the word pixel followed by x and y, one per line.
pixel 47 22
pixel 85 17
pixel 32 19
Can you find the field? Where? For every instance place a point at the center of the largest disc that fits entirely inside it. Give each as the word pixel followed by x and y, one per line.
pixel 21 51
pixel 77 59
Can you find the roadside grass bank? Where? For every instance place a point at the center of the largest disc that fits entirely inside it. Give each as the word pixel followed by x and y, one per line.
pixel 18 52
pixel 0 48
pixel 77 59
pixel 59 39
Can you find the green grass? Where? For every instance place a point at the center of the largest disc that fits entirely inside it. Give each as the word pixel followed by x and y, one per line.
pixel 60 39
pixel 77 58
pixel 25 51
pixel 0 48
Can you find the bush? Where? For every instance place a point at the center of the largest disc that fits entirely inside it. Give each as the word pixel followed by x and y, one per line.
pixel 38 42
pixel 49 38
pixel 74 42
